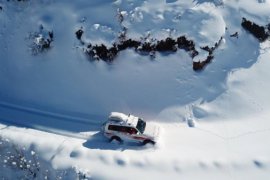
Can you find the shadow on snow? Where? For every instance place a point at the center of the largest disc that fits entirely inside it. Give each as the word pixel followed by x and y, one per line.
pixel 98 141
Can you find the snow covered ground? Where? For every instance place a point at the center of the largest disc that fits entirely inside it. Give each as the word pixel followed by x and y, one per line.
pixel 214 122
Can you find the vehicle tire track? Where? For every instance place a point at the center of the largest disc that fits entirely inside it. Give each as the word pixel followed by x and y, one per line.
pixel 58 150
pixel 47 121
pixel 45 113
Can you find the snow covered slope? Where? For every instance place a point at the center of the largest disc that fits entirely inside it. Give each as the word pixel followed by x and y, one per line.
pixel 215 121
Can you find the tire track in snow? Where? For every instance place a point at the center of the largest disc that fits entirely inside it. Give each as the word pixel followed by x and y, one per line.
pixel 58 150
pixel 47 121
pixel 45 113
pixel 3 127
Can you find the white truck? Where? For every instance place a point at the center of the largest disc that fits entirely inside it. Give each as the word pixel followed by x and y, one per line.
pixel 122 127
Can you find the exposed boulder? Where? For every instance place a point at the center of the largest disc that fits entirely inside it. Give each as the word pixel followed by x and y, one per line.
pixel 259 32
pixel 168 44
pixel 197 66
pixel 79 34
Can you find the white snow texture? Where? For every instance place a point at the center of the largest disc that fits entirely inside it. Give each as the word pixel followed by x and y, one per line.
pixel 53 101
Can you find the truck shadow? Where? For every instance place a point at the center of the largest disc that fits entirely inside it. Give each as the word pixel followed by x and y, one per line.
pixel 98 141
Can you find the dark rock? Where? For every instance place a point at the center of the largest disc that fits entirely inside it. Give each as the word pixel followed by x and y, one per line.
pixel 182 42
pixel 257 31
pixel 201 64
pixel 89 46
pixel 108 54
pixel 185 44
pixel 166 45
pixel 210 50
pixel 112 52
pixel 268 27
pixel 197 66
pixel 41 40
pixel 169 45
pixel 128 44
pixel 147 47
pixel 51 35
pixel 194 53
pixel 234 35
pixel 79 34
pixel 101 51
pixel 90 52
pixel 206 48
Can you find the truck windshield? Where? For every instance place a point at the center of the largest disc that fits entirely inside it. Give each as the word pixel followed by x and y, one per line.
pixel 141 125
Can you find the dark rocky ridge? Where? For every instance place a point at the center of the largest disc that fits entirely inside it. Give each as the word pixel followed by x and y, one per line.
pixel 168 45
pixel 259 32
pixel 201 64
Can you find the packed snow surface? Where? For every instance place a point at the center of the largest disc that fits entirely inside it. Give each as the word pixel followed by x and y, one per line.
pixel 215 123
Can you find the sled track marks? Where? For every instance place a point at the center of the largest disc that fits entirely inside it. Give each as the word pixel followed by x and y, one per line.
pixel 248 133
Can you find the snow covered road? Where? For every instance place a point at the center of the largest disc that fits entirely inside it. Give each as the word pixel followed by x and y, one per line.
pixel 56 123
pixel 183 152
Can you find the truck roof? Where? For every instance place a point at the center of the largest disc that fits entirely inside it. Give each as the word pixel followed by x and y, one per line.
pixel 121 118
pixel 117 116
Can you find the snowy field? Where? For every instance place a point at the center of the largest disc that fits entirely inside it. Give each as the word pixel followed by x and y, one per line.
pixel 215 122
